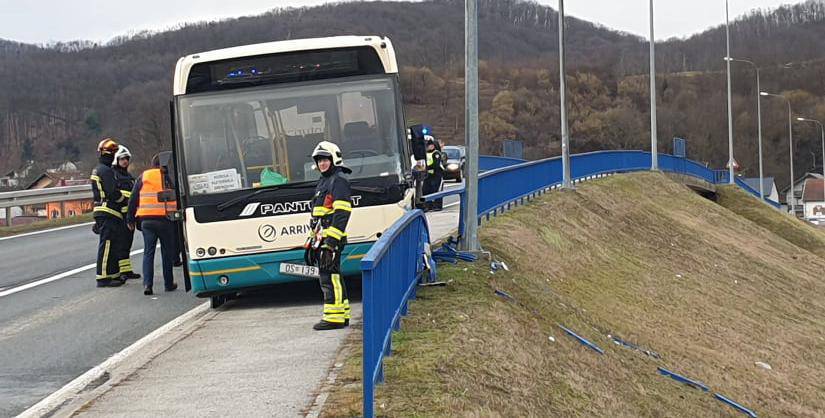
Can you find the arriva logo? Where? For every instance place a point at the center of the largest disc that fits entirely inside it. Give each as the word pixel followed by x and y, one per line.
pixel 267 232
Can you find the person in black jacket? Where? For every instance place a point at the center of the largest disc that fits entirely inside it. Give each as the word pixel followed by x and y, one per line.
pixel 331 208
pixel 108 215
pixel 435 172
pixel 124 181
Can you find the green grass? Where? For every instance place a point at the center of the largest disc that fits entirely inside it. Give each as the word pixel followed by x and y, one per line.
pixel 47 224
pixel 783 224
pixel 637 256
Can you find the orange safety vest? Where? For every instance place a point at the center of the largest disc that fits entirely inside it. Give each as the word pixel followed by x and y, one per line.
pixel 149 205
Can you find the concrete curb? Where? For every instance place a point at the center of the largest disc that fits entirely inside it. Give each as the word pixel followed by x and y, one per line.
pixel 74 390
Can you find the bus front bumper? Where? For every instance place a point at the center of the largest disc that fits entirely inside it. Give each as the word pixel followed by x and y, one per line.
pixel 231 274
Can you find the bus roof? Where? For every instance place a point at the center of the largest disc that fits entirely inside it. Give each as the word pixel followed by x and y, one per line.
pixel 381 44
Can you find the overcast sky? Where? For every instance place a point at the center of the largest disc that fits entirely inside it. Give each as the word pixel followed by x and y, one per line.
pixel 44 21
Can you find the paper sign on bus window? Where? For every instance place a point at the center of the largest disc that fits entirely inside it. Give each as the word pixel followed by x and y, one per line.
pixel 215 182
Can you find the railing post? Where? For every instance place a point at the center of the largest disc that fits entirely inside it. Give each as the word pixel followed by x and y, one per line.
pixel 368 345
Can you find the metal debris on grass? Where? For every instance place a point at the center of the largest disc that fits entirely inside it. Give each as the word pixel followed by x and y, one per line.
pixel 504 294
pixel 736 405
pixel 582 340
pixel 627 344
pixel 682 379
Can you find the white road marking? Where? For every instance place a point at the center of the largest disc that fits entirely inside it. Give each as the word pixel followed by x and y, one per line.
pixel 55 277
pixel 78 384
pixel 46 231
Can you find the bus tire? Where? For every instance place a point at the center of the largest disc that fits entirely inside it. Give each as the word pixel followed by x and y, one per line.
pixel 216 301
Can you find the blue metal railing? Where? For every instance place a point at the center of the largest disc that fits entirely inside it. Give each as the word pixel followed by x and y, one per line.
pixel 390 275
pixel 392 267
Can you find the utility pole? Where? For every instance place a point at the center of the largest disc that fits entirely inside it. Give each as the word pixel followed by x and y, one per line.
pixel 730 100
pixel 469 241
pixel 822 133
pixel 758 118
pixel 792 200
pixel 654 148
pixel 565 134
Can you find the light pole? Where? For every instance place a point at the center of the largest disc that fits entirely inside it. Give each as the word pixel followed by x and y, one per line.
pixel 730 100
pixel 654 149
pixel 759 120
pixel 822 132
pixel 565 134
pixel 470 238
pixel 791 203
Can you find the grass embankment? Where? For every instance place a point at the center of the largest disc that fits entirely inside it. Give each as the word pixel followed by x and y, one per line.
pixel 635 256
pixel 6 231
pixel 801 234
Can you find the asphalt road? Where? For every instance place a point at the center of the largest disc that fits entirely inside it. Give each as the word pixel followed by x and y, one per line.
pixel 52 333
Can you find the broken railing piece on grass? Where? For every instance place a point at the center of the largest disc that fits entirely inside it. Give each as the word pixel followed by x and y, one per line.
pixel 447 253
pixel 736 405
pixel 682 379
pixel 504 294
pixel 635 347
pixel 582 340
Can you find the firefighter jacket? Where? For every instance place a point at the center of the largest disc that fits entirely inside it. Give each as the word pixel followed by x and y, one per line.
pixel 109 201
pixel 331 207
pixel 124 181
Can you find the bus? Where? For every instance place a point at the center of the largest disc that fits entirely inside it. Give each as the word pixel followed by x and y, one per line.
pixel 245 121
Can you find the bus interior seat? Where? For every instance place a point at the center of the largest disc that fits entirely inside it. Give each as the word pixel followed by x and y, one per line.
pixel 360 136
pixel 300 152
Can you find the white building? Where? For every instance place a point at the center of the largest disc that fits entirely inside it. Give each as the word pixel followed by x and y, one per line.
pixel 813 198
pixel 799 185
pixel 768 187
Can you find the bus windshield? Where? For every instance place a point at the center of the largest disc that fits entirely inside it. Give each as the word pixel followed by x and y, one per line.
pixel 264 136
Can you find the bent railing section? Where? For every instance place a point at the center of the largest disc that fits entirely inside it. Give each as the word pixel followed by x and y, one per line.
pixel 392 267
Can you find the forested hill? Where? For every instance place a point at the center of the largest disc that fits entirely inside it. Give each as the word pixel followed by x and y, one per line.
pixel 57 101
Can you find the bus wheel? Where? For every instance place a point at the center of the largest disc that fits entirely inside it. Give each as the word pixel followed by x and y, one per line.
pixel 216 301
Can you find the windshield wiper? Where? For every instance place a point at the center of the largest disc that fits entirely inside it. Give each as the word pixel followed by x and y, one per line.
pixel 229 203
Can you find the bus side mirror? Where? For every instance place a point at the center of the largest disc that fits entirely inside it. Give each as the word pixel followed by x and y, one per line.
pixel 167 195
pixel 416 134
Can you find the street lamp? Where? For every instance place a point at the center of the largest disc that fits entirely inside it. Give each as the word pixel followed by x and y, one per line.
pixel 565 134
pixel 822 131
pixel 758 117
pixel 790 143
pixel 730 100
pixel 654 157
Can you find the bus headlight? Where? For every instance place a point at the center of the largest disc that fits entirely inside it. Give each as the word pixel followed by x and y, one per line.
pixel 200 252
pixel 213 250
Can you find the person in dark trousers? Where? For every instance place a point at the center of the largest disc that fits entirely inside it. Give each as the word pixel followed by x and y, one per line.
pixel 331 208
pixel 124 181
pixel 108 215
pixel 149 214
pixel 435 172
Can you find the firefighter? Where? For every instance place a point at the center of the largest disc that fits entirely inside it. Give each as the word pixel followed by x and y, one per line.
pixel 331 208
pixel 108 214
pixel 435 172
pixel 124 181
pixel 148 212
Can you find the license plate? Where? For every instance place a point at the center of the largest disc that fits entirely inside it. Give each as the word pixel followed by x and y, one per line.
pixel 299 270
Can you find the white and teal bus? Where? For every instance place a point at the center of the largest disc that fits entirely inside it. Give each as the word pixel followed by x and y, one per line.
pixel 246 120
